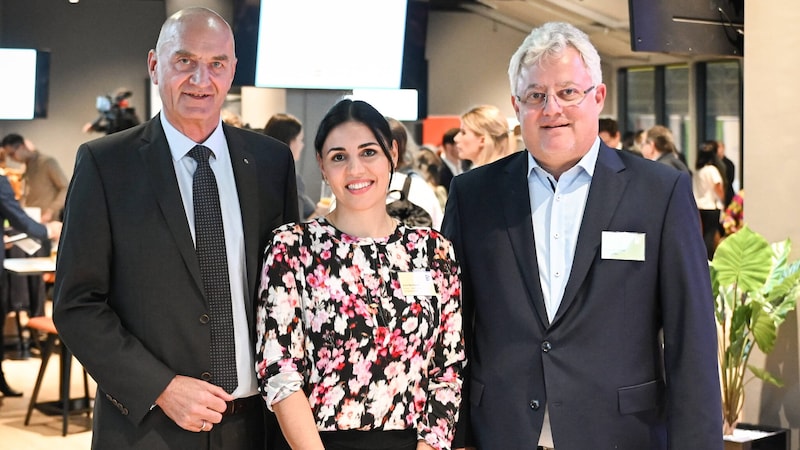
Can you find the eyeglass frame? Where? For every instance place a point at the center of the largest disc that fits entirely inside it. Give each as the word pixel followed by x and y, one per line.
pixel 547 97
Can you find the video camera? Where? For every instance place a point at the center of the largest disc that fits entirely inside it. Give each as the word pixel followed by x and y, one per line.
pixel 115 113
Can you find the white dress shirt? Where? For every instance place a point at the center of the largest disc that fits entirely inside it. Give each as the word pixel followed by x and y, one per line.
pixel 220 163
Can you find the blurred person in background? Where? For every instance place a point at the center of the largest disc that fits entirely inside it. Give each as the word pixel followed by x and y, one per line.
pixel 484 136
pixel 708 185
pixel 289 130
pixel 451 163
pixel 659 145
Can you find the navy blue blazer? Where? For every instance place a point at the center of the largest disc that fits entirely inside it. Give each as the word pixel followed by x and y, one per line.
pixel 599 366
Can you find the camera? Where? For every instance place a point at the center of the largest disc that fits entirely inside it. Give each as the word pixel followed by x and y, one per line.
pixel 116 114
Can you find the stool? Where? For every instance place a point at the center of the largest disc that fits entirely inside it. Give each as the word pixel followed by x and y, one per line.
pixel 64 406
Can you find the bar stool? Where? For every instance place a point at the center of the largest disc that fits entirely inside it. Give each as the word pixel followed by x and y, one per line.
pixel 64 406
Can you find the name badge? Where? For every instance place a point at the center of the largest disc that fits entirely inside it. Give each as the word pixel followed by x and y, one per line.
pixel 416 283
pixel 622 245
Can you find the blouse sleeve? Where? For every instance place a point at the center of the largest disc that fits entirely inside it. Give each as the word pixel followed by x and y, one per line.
pixel 437 427
pixel 281 366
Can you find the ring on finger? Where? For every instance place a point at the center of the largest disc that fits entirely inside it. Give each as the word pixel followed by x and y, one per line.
pixel 203 427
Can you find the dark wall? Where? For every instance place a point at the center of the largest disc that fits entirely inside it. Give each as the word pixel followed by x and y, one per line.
pixel 96 47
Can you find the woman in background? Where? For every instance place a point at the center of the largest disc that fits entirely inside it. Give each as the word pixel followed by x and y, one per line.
pixel 289 130
pixel 359 324
pixel 709 193
pixel 484 136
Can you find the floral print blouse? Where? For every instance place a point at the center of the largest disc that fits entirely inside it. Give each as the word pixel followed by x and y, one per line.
pixel 369 329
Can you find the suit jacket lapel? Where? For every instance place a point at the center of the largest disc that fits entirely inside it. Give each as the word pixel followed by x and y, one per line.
pixel 160 170
pixel 516 206
pixel 608 185
pixel 244 171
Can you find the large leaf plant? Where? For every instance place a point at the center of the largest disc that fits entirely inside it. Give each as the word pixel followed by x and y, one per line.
pixel 755 287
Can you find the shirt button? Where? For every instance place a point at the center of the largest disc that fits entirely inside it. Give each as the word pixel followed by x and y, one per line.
pixel 556 235
pixel 205 376
pixel 546 347
pixel 204 319
pixel 534 405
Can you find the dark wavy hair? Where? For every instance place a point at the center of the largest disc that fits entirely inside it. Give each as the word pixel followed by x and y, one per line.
pixel 356 111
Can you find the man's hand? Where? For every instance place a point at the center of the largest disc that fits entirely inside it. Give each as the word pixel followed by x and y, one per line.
pixel 193 404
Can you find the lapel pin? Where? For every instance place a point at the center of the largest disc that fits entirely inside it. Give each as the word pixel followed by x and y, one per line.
pixel 246 161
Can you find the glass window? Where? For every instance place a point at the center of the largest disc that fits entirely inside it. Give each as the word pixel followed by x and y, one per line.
pixel 676 101
pixel 640 95
pixel 723 113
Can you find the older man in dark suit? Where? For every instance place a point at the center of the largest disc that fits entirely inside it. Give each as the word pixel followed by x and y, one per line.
pixel 153 214
pixel 575 258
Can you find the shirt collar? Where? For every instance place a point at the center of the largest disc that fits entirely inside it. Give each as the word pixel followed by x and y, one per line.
pixel 587 163
pixel 180 144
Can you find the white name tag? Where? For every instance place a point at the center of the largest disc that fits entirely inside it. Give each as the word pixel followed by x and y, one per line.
pixel 416 283
pixel 622 246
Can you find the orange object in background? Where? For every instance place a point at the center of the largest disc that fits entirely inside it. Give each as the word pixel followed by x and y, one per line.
pixel 434 127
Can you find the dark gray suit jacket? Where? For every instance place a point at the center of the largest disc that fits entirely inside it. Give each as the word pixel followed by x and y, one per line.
pixel 129 301
pixel 599 365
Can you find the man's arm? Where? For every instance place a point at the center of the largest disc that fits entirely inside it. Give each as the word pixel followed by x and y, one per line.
pixel 60 185
pixel 87 322
pixel 690 340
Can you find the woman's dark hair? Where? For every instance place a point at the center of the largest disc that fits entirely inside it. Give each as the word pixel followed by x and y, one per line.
pixel 283 127
pixel 707 154
pixel 356 111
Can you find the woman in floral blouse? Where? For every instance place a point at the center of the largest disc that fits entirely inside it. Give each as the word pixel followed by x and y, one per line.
pixel 359 323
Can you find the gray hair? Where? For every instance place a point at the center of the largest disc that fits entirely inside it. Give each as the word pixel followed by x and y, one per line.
pixel 550 40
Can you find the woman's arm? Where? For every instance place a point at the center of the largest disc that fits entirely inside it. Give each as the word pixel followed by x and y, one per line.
pixel 297 422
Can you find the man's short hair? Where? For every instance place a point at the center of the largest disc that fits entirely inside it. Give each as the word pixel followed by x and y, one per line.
pixel 12 140
pixel 609 126
pixel 449 136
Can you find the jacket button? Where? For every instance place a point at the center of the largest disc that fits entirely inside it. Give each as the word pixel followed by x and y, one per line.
pixel 534 405
pixel 546 347
pixel 205 376
pixel 204 319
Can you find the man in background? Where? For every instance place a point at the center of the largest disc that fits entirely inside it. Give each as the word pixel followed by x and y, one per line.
pixel 44 183
pixel 161 251
pixel 609 132
pixel 451 163
pixel 587 302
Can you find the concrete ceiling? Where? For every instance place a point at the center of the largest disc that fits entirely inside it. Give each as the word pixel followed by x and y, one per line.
pixel 605 21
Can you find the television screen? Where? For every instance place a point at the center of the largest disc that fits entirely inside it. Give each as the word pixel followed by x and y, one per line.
pixel 23 83
pixel 712 27
pixel 323 44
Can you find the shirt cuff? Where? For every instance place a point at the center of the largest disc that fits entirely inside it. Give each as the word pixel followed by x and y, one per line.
pixel 282 385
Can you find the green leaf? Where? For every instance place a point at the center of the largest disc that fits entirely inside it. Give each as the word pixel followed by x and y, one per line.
pixel 764 328
pixel 766 376
pixel 743 258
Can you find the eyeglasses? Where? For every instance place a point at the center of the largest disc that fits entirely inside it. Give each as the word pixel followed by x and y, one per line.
pixel 566 97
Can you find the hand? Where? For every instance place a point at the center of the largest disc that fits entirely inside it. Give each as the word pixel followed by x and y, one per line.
pixel 53 230
pixel 193 404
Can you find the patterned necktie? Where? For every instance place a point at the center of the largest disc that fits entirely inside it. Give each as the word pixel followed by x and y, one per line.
pixel 210 248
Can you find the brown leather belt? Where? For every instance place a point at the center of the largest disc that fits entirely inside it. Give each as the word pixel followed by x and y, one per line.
pixel 243 405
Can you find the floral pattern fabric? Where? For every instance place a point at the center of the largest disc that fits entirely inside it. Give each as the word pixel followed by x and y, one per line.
pixel 356 324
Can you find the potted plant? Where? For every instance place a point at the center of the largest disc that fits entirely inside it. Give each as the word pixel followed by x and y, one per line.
pixel 754 287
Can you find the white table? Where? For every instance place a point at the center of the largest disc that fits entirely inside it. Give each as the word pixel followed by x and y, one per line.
pixel 30 266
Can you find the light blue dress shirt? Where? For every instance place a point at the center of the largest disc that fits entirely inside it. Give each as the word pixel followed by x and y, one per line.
pixel 557 211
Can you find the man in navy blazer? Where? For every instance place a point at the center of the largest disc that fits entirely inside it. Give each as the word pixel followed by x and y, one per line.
pixel 130 300
pixel 588 307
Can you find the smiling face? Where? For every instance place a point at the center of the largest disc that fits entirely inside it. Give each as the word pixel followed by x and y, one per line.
pixel 557 136
pixel 193 66
pixel 356 168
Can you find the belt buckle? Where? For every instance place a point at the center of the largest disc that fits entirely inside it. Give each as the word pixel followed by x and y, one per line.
pixel 230 408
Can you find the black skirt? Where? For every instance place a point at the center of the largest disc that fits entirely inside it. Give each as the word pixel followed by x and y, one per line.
pixel 369 440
